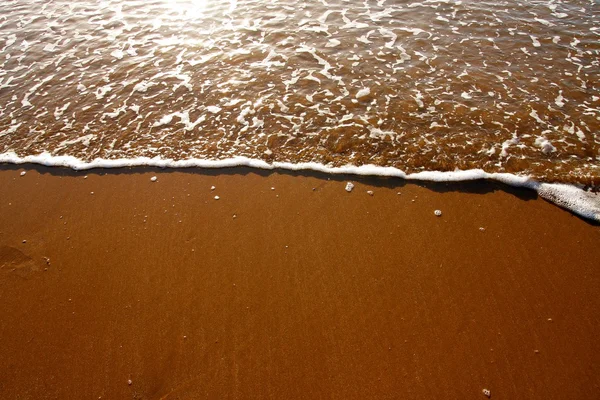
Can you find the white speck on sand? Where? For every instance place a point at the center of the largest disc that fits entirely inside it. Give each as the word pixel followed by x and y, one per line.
pixel 370 192
pixel 438 213
pixel 129 382
pixel 154 179
pixel 487 393
pixel 212 188
pixel 349 187
pixel 217 197
pixel 23 173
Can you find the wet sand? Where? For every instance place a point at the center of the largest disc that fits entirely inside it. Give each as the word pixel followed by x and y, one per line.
pixel 154 290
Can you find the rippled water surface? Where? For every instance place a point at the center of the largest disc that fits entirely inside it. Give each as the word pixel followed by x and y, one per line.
pixel 506 86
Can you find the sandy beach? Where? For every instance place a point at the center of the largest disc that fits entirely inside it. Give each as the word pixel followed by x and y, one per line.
pixel 287 286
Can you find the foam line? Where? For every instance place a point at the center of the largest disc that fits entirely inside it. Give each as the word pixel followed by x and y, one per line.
pixel 571 197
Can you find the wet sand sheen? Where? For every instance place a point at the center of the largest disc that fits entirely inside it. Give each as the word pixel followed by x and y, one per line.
pixel 304 294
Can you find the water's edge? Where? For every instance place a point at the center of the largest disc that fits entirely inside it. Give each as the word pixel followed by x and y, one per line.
pixel 574 198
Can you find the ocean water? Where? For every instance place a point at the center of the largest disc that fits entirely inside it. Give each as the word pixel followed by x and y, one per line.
pixel 505 90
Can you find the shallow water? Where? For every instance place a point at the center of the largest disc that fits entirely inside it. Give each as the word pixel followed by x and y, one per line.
pixel 502 86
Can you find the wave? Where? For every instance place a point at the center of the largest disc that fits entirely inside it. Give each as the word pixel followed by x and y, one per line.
pixel 572 197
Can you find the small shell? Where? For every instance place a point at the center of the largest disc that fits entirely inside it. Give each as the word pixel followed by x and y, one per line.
pixel 154 179
pixel 438 213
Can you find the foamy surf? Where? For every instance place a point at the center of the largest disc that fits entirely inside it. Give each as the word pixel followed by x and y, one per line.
pixel 571 197
pixel 417 86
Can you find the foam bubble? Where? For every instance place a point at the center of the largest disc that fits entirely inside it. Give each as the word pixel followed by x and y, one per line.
pixel 363 93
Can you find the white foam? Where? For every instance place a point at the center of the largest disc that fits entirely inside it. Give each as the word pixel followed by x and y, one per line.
pixel 118 54
pixel 545 145
pixel 333 43
pixel 544 22
pixel 143 86
pixel 363 92
pixel 213 109
pixel 101 91
pixel 571 197
pixel 560 100
pixel 184 118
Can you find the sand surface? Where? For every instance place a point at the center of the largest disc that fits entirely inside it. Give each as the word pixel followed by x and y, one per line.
pixel 131 289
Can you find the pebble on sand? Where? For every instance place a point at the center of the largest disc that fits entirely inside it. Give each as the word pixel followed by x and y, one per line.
pixel 370 192
pixel 438 213
pixel 482 229
pixel 129 382
pixel 23 173
pixel 487 393
pixel 217 197
pixel 212 188
pixel 154 179
pixel 349 186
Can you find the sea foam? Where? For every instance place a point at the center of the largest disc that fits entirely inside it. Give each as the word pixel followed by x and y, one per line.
pixel 571 197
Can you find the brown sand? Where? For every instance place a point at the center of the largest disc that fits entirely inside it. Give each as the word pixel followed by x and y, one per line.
pixel 304 294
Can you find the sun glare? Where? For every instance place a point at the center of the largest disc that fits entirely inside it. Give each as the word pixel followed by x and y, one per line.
pixel 188 9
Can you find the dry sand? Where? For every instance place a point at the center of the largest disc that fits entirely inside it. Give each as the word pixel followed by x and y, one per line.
pixel 155 290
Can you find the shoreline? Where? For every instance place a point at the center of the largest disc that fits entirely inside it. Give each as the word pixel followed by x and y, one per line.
pixel 288 286
pixel 573 197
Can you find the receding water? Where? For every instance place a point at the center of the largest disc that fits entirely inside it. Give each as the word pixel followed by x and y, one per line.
pixel 505 86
